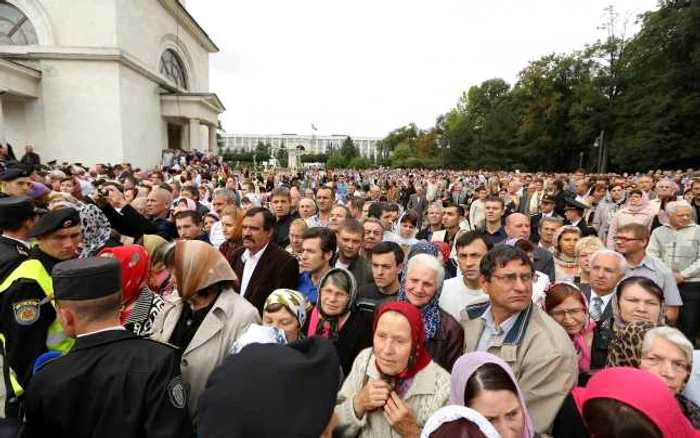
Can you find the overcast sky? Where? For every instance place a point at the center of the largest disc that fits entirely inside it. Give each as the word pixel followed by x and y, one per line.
pixel 366 67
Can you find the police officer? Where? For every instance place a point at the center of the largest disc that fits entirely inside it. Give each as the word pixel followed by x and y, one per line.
pixel 17 219
pixel 16 181
pixel 28 324
pixel 122 385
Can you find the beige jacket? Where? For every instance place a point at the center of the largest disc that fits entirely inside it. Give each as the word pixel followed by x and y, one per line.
pixel 541 354
pixel 429 392
pixel 226 321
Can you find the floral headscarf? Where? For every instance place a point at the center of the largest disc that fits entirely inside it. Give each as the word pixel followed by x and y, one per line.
pixel 136 269
pixel 292 300
pixel 431 310
pixel 96 229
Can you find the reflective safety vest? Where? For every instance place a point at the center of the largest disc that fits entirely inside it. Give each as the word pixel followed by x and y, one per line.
pixel 16 387
pixel 32 269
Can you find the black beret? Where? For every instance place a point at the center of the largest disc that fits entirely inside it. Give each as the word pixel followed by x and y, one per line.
pixel 18 208
pixel 86 279
pixel 548 198
pixel 56 220
pixel 573 204
pixel 14 172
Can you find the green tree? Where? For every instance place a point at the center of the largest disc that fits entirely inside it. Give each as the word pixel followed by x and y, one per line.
pixel 348 150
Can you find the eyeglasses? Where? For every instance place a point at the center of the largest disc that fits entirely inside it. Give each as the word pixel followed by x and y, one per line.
pixel 562 314
pixel 625 239
pixel 510 278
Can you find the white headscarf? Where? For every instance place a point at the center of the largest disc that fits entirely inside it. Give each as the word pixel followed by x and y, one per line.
pixel 451 413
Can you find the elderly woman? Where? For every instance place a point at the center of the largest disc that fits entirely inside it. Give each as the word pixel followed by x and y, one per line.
pixel 584 248
pixel 662 351
pixel 607 208
pixel 637 211
pixel 565 263
pixel 296 231
pixel 421 287
pixel 638 299
pixel 286 310
pixel 207 317
pixel 394 387
pixel 485 383
pixel 335 318
pixel 568 306
pixel 140 305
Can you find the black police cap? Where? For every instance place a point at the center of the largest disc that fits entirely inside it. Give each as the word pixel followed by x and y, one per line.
pixel 17 207
pixel 56 220
pixel 13 172
pixel 573 204
pixel 86 279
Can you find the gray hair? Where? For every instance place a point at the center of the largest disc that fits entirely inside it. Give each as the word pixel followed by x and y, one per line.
pixel 673 336
pixel 222 192
pixel 437 205
pixel 430 262
pixel 672 206
pixel 621 262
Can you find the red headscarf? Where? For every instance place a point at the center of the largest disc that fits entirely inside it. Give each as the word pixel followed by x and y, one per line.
pixel 420 358
pixel 444 250
pixel 136 271
pixel 643 391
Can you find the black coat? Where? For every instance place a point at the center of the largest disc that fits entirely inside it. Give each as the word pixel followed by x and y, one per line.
pixel 281 235
pixel 12 253
pixel 111 384
pixel 355 336
pixel 448 343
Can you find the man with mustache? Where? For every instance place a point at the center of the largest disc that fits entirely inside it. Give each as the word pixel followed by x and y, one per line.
pixel 261 265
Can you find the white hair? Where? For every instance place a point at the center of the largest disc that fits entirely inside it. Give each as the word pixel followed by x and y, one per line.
pixel 672 206
pixel 673 336
pixel 621 262
pixel 430 262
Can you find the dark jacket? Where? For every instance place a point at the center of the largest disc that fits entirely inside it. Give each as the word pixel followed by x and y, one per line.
pixel 355 336
pixel 12 253
pixel 281 234
pixel 448 343
pixel 131 223
pixel 603 333
pixel 544 262
pixel 535 227
pixel 123 386
pixel 276 269
pixel 360 269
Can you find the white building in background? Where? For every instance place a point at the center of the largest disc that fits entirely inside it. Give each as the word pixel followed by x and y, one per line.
pixel 105 80
pixel 314 144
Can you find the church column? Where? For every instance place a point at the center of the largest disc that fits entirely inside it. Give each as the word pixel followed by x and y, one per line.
pixel 213 147
pixel 194 135
pixel 3 138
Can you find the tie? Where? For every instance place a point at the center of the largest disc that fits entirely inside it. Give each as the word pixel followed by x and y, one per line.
pixel 597 309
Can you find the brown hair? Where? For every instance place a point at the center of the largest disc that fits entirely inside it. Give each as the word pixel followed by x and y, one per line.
pixel 639 231
pixel 237 215
pixel 558 293
pixel 609 418
pixel 460 428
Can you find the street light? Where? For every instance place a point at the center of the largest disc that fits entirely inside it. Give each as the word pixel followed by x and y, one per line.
pixel 444 144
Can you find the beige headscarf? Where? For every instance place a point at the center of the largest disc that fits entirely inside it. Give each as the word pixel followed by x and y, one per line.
pixel 197 266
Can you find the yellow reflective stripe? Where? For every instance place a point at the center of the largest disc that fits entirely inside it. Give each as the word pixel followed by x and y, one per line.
pixel 16 387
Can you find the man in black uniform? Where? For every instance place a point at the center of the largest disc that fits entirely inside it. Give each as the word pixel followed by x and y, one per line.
pixel 27 314
pixel 16 181
pixel 17 219
pixel 111 383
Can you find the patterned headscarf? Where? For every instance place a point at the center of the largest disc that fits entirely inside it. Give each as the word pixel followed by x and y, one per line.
pixel 331 323
pixel 295 302
pixel 444 249
pixel 626 348
pixel 96 229
pixel 136 269
pixel 431 310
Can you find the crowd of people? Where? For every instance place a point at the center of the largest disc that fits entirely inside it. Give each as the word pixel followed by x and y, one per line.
pixel 195 299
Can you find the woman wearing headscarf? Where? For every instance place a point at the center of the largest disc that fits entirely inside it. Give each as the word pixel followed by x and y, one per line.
pixel 604 212
pixel 485 383
pixel 140 305
pixel 637 211
pixel 567 305
pixel 394 387
pixel 336 318
pixel 156 247
pixel 455 421
pixel 662 351
pixel 444 336
pixel 638 299
pixel 207 315
pixel 565 263
pixel 625 402
pixel 286 310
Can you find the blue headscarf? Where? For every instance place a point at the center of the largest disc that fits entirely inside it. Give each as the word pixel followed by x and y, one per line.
pixel 430 311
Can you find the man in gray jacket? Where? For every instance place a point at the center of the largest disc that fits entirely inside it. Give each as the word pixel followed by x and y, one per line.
pixel 677 244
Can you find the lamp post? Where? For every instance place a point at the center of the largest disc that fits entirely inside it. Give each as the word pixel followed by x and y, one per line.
pixel 444 144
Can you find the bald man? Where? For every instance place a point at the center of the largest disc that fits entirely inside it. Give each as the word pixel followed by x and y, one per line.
pixel 518 227
pixel 126 220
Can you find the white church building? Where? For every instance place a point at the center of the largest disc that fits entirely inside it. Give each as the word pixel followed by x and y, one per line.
pixel 105 81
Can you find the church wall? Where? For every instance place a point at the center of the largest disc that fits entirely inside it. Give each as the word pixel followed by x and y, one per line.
pixel 83 23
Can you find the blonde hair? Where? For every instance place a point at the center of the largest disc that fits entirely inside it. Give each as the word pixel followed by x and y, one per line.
pixel 299 224
pixel 590 243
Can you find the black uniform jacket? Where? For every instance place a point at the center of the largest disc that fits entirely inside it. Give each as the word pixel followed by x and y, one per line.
pixel 12 253
pixel 111 384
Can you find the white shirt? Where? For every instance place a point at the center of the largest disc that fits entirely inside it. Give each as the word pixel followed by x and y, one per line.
pixel 456 296
pixel 216 235
pixel 108 329
pixel 250 261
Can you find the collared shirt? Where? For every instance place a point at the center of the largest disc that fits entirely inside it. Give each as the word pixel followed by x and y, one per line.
pixel 494 335
pixel 307 287
pixel 23 242
pixel 499 236
pixel 250 261
pixel 108 329
pixel 606 300
pixel 654 269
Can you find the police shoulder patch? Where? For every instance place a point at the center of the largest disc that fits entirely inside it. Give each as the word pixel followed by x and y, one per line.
pixel 26 312
pixel 177 392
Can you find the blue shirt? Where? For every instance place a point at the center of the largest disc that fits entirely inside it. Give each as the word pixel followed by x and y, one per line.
pixel 307 287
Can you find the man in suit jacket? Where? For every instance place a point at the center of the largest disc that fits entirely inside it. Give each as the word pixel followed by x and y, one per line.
pixel 546 210
pixel 418 201
pixel 574 216
pixel 262 266
pixel 518 227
